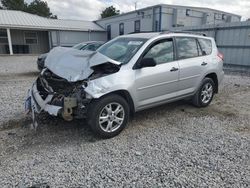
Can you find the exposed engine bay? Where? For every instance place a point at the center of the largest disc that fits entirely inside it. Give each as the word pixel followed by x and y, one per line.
pixel 69 96
pixel 104 70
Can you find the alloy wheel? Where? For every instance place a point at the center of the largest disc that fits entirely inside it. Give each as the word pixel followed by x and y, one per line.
pixel 206 93
pixel 111 117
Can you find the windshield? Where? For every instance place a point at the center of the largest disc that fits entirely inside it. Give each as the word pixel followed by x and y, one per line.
pixel 79 46
pixel 122 49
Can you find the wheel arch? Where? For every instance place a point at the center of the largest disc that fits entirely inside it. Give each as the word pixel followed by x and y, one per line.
pixel 126 95
pixel 214 77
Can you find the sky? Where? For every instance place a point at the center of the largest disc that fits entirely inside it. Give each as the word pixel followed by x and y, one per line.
pixel 91 9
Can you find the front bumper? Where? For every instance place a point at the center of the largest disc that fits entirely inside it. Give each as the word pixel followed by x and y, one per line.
pixel 38 104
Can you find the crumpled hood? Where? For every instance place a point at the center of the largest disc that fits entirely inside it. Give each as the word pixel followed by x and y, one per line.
pixel 74 65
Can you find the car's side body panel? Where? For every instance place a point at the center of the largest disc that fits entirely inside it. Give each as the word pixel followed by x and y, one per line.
pixel 157 83
pixel 152 86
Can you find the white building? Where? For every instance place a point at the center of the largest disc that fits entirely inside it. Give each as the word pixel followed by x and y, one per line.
pixel 163 17
pixel 24 33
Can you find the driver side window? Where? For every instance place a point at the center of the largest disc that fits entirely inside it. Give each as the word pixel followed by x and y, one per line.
pixel 162 51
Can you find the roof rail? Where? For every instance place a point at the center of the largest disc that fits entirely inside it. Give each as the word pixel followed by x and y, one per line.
pixel 187 32
pixel 135 32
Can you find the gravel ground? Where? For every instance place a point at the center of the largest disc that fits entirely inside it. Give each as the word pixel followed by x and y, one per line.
pixel 16 76
pixel 174 145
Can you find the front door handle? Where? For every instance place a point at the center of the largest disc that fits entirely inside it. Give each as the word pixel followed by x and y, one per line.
pixel 204 64
pixel 174 69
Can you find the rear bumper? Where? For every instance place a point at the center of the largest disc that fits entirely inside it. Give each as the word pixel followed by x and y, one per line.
pixel 38 104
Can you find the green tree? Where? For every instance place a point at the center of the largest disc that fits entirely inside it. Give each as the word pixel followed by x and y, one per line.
pixel 40 8
pixel 14 4
pixel 37 7
pixel 109 11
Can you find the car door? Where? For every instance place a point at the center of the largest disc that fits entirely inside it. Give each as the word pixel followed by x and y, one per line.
pixel 191 63
pixel 156 84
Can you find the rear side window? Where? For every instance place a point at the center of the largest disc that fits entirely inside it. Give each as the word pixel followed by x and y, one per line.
pixel 187 47
pixel 206 46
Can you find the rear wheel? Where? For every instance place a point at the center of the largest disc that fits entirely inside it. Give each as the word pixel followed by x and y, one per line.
pixel 204 95
pixel 108 116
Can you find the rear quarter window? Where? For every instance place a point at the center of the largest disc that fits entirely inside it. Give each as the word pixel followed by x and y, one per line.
pixel 187 47
pixel 206 46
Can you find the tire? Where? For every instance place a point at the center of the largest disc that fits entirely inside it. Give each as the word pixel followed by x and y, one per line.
pixel 103 118
pixel 204 95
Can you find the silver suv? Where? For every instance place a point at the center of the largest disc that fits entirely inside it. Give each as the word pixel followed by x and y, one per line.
pixel 128 74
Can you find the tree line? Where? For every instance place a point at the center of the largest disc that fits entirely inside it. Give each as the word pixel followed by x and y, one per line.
pixel 41 8
pixel 37 7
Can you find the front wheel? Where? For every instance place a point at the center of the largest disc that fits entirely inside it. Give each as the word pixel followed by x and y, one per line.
pixel 204 95
pixel 108 116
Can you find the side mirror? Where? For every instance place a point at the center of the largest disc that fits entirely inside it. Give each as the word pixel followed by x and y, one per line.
pixel 146 62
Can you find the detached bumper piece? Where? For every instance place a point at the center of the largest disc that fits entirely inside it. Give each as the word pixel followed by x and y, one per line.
pixel 39 104
pixel 35 104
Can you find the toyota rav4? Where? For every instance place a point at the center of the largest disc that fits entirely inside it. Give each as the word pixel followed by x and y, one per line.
pixel 127 74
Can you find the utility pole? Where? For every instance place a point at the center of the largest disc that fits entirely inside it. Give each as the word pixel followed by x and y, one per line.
pixel 135 5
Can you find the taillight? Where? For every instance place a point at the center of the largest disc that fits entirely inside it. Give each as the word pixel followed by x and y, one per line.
pixel 220 55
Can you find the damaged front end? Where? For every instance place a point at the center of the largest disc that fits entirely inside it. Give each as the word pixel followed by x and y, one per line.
pixel 58 97
pixel 60 88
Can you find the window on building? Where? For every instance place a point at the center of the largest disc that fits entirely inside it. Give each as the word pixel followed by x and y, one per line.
pixel 3 36
pixel 121 28
pixel 187 47
pixel 137 26
pixel 217 16
pixel 206 46
pixel 109 32
pixel 30 38
pixel 161 51
pixel 156 25
pixel 224 16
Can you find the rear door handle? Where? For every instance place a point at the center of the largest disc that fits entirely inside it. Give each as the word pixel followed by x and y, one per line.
pixel 204 64
pixel 174 69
